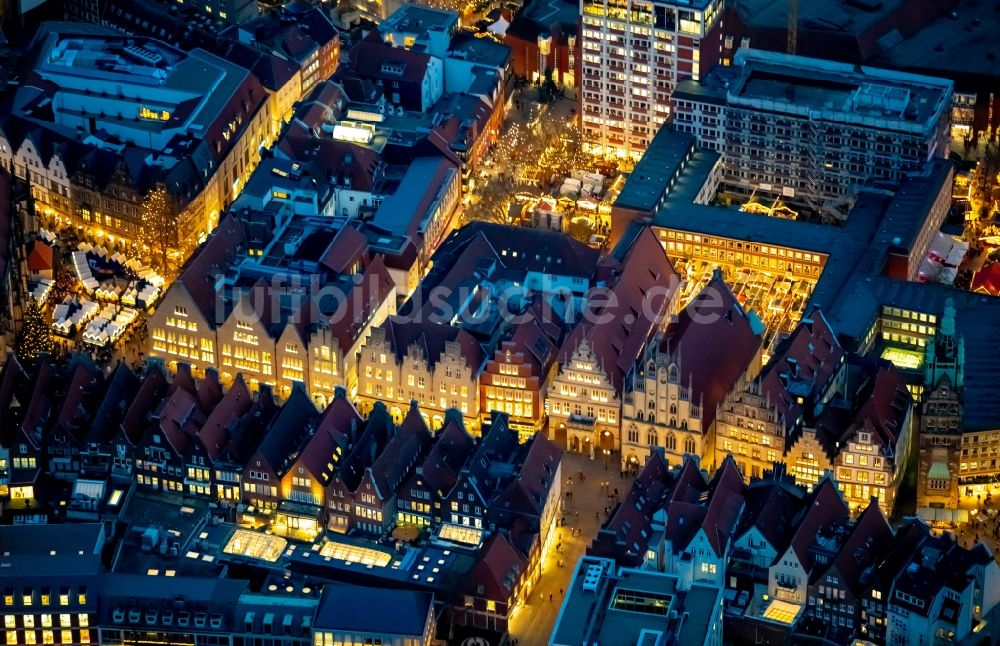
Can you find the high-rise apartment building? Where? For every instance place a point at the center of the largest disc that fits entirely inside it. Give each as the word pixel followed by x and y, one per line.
pixel 634 53
pixel 811 132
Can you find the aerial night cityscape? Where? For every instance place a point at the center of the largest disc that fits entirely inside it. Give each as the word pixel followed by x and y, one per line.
pixel 499 322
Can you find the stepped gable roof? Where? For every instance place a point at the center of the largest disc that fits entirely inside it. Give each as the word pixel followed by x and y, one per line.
pixel 617 328
pixel 432 338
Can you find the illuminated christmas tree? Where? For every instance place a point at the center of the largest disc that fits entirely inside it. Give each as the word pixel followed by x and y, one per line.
pixel 157 227
pixel 34 338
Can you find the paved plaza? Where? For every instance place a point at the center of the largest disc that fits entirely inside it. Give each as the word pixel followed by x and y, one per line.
pixel 584 510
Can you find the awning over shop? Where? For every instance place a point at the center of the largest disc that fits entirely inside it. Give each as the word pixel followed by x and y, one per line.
pixel 938 471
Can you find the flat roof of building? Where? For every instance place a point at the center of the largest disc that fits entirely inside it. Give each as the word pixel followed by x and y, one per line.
pixel 345 607
pixel 965 44
pixel 652 175
pixel 483 51
pixel 416 19
pixel 43 550
pixel 632 604
pixel 836 92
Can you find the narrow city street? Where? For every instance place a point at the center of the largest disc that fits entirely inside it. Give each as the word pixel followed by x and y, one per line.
pixel 584 510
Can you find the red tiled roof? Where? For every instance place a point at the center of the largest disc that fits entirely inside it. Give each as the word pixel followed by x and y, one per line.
pixel 771 508
pixel 496 573
pixel 824 506
pixel 887 406
pixel 618 327
pixel 397 458
pixel 73 401
pixel 143 404
pixel 337 426
pixel 360 304
pixel 347 247
pixel 367 57
pixel 725 504
pixel 40 257
pixel 863 546
pixel 446 458
pixel 39 406
pixel 198 277
pixel 225 417
pixel 804 362
pixel 209 391
pixel 527 492
pixel 987 280
pixel 180 418
pixel 714 341
pixel 630 525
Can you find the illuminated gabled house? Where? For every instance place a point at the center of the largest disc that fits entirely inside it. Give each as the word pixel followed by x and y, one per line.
pixel 23 437
pixel 126 439
pixel 673 390
pixel 838 582
pixel 381 482
pixel 584 400
pixel 788 575
pixel 271 460
pixel 212 437
pixel 495 586
pixel 231 461
pixel 97 446
pixel 465 508
pixel 351 501
pixel 303 486
pixel 15 388
pixel 76 395
pixel 160 454
pixel 419 497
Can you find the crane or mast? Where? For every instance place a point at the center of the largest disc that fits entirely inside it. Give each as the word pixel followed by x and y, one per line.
pixel 793 25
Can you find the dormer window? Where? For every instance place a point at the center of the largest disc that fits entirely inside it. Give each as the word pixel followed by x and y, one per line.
pixel 395 68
